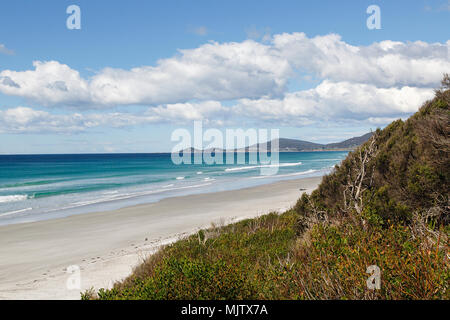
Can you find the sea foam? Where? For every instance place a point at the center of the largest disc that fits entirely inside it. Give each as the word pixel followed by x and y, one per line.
pixel 288 164
pixel 13 198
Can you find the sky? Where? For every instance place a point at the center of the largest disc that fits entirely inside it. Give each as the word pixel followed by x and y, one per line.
pixel 138 70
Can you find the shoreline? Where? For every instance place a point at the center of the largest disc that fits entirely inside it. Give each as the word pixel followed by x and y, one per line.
pixel 169 152
pixel 107 245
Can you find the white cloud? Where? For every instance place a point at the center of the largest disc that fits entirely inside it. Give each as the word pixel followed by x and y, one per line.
pixel 211 72
pixel 5 50
pixel 200 31
pixel 208 111
pixel 50 83
pixel 229 71
pixel 385 63
pixel 380 121
pixel 445 6
pixel 258 33
pixel 329 101
pixel 27 120
pixel 334 102
pixel 366 84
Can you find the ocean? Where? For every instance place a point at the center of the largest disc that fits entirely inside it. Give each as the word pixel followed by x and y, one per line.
pixel 40 187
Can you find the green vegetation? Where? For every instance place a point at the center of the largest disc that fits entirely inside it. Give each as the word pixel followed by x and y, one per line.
pixel 386 204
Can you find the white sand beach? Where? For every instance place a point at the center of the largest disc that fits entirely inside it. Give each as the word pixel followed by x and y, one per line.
pixel 107 245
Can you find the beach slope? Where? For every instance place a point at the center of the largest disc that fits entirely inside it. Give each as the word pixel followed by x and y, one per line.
pixel 106 246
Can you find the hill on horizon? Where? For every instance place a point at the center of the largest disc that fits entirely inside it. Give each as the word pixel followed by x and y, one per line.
pixel 294 145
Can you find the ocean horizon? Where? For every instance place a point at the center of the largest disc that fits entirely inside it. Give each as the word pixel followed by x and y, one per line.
pixel 49 186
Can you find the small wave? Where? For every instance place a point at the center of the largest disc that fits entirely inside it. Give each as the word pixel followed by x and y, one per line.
pixel 14 212
pixel 287 175
pixel 199 172
pixel 13 198
pixel 241 168
pixel 126 196
pixel 288 164
pixel 168 185
pixel 111 192
pixel 30 183
pixel 180 178
pixel 325 159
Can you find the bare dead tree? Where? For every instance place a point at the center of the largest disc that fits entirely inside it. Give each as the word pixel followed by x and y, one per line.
pixel 420 227
pixel 360 177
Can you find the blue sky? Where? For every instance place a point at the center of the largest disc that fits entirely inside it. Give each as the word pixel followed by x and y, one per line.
pixel 280 90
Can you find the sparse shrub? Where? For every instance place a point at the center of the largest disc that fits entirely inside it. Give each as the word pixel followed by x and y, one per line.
pixel 334 265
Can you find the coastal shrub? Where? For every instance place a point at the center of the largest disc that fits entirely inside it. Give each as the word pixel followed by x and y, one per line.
pixel 183 278
pixel 380 208
pixel 264 259
pixel 229 265
pixel 333 265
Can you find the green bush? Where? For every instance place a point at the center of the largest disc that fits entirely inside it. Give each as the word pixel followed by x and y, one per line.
pixel 381 208
pixel 334 264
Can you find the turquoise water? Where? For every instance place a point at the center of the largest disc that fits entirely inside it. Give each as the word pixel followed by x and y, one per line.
pixel 38 187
